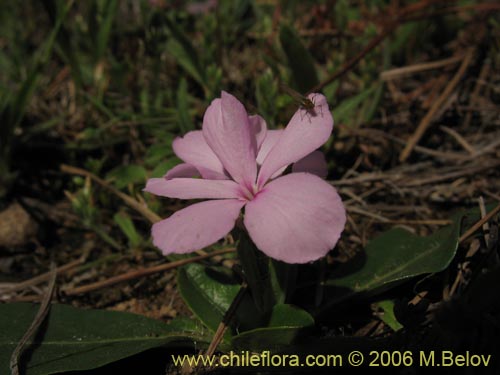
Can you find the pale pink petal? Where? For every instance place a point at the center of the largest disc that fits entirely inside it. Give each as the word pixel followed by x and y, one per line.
pixel 194 150
pixel 314 163
pixel 296 218
pixel 272 137
pixel 227 131
pixel 306 131
pixel 196 226
pixel 258 128
pixel 182 170
pixel 193 188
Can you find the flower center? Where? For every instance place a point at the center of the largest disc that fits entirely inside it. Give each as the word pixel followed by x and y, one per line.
pixel 249 192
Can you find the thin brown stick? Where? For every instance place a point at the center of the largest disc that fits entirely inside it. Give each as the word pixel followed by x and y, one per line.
pixel 447 176
pixel 141 273
pixel 479 224
pixel 37 321
pixel 461 140
pixel 221 329
pixel 352 62
pixel 411 13
pixel 426 121
pixel 139 207
pixel 43 277
pixel 410 69
pixel 143 210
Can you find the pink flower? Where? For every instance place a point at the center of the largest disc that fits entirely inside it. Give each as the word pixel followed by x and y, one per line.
pixel 295 218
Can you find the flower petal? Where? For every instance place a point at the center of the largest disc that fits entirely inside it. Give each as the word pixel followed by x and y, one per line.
pixel 258 128
pixel 227 131
pixel 314 163
pixel 193 149
pixel 196 226
pixel 193 188
pixel 296 218
pixel 306 131
pixel 272 137
pixel 182 170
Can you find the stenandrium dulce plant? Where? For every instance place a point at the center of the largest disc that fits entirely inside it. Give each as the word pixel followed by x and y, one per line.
pixel 294 218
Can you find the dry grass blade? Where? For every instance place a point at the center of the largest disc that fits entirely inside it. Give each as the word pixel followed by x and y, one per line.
pixel 141 273
pixel 405 70
pixel 39 318
pixel 44 277
pixel 437 106
pixel 479 224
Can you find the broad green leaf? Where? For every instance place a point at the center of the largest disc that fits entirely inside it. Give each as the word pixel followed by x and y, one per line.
pixel 127 174
pixel 285 325
pixel 209 291
pixel 76 339
pixel 387 316
pixel 393 257
pixel 300 60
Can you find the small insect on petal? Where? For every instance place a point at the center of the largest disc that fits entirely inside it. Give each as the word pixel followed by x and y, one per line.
pixel 304 102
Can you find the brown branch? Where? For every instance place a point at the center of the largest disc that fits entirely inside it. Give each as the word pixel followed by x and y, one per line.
pixel 37 321
pixel 43 277
pixel 479 224
pixel 412 13
pixel 143 210
pixel 426 121
pixel 352 62
pixel 141 273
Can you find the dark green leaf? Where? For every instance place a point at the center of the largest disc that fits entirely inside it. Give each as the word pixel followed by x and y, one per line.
pixel 347 111
pixel 300 60
pixel 128 228
pixel 256 267
pixel 184 52
pixel 210 291
pixel 161 168
pixel 159 152
pixel 393 257
pixel 387 315
pixel 75 339
pixel 285 325
pixel 127 174
pixel 185 122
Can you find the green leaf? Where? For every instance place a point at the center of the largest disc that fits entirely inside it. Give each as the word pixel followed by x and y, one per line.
pixel 128 228
pixel 347 111
pixel 75 339
pixel 184 52
pixel 106 17
pixel 161 169
pixel 127 174
pixel 185 122
pixel 300 60
pixel 387 316
pixel 159 152
pixel 394 257
pixel 266 93
pixel 285 325
pixel 258 275
pixel 209 291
